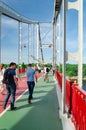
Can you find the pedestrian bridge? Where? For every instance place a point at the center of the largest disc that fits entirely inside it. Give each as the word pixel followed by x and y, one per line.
pixel 45 112
pixel 58 104
pixel 42 114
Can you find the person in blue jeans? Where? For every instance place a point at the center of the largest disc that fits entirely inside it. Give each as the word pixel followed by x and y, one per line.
pixel 11 86
pixel 30 81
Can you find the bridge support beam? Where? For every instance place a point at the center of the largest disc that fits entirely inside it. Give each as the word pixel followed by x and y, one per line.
pixel 20 45
pixel 58 42
pixel 78 5
pixel 37 26
pixel 54 44
pixel 64 58
pixel 80 41
pixel 40 44
pixel 28 43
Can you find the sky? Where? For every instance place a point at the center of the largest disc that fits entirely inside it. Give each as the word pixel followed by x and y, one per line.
pixel 42 11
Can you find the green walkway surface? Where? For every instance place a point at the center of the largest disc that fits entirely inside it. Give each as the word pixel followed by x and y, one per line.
pixel 42 114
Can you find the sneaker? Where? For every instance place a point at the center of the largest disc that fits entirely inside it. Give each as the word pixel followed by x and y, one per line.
pixel 29 101
pixel 31 97
pixel 14 108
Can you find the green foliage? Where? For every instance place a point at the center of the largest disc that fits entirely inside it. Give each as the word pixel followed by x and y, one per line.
pixel 84 70
pixel 49 65
pixel 33 64
pixel 59 68
pixel 23 65
pixel 71 70
pixel 6 66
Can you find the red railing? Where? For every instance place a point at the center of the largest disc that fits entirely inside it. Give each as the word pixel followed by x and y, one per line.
pixel 75 101
pixel 68 89
pixel 78 107
pixel 68 95
pixel 59 78
pixel 21 70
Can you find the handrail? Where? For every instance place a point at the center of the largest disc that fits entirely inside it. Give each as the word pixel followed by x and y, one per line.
pixel 78 107
pixel 59 78
pixel 75 101
pixel 68 89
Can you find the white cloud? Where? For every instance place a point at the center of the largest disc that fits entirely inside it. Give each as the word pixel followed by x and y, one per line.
pixel 8 22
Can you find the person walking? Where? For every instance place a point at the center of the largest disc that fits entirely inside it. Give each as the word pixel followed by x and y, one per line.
pixel 2 86
pixel 46 71
pixel 36 73
pixel 30 81
pixel 11 83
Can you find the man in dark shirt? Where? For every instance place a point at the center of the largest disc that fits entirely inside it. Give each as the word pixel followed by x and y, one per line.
pixel 11 87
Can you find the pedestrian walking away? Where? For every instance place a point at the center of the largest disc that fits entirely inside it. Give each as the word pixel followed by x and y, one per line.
pixel 46 71
pixel 11 83
pixel 30 81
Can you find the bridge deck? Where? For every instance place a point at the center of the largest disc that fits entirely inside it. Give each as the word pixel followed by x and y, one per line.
pixel 42 114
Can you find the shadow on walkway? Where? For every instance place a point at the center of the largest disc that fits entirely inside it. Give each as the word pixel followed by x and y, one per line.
pixel 42 114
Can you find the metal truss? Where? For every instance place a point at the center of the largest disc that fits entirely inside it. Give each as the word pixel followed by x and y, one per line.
pixel 7 11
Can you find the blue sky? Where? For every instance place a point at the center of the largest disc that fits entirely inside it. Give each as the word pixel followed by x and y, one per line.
pixel 42 11
pixel 39 10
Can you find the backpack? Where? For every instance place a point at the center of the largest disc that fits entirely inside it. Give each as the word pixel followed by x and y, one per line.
pixel 7 78
pixel 47 69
